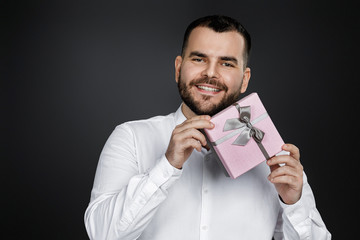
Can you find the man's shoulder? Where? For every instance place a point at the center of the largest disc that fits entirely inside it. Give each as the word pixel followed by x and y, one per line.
pixel 155 123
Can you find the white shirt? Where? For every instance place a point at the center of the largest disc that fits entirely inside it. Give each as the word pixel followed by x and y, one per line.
pixel 137 194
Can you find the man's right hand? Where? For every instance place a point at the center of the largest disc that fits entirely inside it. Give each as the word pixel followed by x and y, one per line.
pixel 185 138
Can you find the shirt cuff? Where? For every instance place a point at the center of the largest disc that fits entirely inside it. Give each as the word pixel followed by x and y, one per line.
pixel 296 213
pixel 163 175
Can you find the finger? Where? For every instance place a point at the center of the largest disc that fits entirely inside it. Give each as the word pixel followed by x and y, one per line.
pixel 207 117
pixel 294 151
pixel 192 143
pixel 192 133
pixel 197 124
pixel 273 167
pixel 285 170
pixel 197 118
pixel 272 164
pixel 285 179
pixel 284 159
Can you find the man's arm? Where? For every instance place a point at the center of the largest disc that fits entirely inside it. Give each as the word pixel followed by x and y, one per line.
pixel 123 201
pixel 299 218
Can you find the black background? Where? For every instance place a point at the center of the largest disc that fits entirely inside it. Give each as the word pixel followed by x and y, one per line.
pixel 73 70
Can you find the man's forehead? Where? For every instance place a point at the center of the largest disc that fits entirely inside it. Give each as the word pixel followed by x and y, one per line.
pixel 206 40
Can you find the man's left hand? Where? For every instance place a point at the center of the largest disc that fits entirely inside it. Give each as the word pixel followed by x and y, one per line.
pixel 288 178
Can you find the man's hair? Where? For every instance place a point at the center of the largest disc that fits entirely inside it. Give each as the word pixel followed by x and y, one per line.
pixel 219 23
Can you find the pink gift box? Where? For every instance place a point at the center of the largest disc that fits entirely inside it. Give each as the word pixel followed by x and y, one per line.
pixel 246 140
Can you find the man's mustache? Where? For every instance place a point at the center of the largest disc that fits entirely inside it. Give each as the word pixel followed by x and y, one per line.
pixel 210 81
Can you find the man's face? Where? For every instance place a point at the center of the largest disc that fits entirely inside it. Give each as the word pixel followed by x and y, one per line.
pixel 211 74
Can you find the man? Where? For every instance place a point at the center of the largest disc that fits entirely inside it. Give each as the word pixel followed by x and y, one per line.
pixel 151 184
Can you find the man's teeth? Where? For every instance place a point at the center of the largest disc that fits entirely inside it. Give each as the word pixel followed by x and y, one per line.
pixel 209 89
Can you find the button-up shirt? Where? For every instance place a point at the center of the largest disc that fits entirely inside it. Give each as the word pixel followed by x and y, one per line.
pixel 138 194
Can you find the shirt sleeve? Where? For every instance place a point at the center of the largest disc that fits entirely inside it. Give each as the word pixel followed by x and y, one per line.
pixel 123 201
pixel 301 220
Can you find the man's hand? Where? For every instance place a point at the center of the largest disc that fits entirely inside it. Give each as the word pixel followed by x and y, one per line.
pixel 185 138
pixel 288 179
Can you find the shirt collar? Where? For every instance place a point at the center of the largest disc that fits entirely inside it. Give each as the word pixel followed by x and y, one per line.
pixel 179 116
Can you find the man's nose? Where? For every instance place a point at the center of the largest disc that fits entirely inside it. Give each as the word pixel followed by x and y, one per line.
pixel 211 70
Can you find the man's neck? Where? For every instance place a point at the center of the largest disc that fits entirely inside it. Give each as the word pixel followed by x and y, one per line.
pixel 187 111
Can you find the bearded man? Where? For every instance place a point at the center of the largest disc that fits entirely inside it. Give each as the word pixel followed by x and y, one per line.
pixel 151 184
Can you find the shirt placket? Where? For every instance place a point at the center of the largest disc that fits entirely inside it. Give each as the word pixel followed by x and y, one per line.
pixel 205 202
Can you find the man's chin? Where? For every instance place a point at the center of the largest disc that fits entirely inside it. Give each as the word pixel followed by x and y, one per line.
pixel 210 108
pixel 207 105
pixel 207 109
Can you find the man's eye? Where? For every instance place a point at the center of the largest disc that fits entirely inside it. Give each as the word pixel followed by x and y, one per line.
pixel 198 60
pixel 226 64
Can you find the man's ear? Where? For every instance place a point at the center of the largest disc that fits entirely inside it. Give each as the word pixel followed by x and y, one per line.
pixel 246 79
pixel 178 61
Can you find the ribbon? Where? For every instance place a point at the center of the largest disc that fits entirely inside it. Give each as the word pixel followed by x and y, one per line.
pixel 244 127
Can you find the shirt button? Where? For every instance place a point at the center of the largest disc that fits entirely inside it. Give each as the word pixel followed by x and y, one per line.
pixel 204 228
pixel 206 191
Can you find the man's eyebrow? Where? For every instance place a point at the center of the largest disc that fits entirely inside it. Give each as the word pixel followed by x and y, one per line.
pixel 223 58
pixel 231 59
pixel 198 54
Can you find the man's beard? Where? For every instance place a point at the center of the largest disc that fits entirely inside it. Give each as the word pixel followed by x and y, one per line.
pixel 195 106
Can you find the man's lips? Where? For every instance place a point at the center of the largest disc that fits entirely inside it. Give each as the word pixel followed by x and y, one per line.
pixel 208 89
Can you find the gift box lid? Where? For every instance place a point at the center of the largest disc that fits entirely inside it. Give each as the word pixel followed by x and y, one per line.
pixel 242 144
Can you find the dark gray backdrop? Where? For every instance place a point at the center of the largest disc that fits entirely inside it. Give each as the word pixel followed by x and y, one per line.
pixel 72 71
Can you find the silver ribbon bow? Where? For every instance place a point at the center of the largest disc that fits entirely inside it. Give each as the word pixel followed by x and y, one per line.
pixel 244 127
pixel 243 122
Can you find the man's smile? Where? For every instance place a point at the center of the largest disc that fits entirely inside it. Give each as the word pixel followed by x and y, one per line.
pixel 208 89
